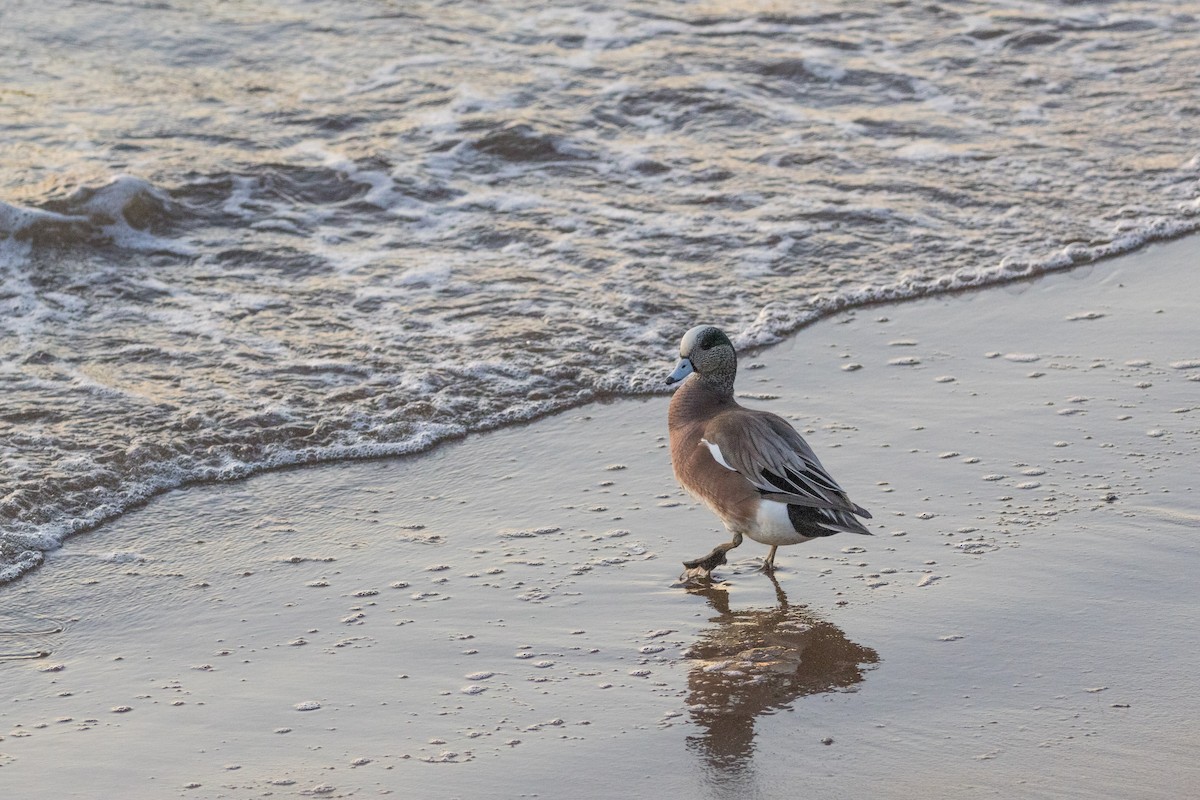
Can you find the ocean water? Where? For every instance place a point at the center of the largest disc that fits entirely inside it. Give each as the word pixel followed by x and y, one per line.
pixel 240 234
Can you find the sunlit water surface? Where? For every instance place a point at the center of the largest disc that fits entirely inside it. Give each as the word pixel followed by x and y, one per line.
pixel 249 233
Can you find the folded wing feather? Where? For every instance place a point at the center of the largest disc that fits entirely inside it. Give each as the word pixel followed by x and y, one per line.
pixel 770 454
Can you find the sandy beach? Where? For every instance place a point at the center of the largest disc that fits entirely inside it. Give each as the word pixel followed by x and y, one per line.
pixel 500 617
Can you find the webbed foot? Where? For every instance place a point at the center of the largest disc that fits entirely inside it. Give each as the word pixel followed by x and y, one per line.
pixel 700 569
pixel 768 565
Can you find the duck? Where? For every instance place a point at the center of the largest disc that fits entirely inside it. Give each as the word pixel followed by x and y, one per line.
pixel 750 467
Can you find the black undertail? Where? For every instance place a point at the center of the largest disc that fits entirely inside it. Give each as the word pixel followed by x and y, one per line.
pixel 809 521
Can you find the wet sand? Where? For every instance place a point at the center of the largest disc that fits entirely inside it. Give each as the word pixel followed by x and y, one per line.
pixel 499 618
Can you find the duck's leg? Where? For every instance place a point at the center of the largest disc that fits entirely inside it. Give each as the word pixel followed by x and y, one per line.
pixel 701 568
pixel 769 562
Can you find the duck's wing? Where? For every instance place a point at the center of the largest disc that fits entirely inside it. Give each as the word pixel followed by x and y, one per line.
pixel 769 453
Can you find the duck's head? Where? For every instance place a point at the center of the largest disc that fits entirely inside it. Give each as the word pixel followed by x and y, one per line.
pixel 707 351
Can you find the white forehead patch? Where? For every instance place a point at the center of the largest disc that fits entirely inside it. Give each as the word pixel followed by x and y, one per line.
pixel 688 343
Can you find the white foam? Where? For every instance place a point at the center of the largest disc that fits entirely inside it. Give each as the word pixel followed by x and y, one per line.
pixel 370 280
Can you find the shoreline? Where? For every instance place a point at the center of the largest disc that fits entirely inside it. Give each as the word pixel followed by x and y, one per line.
pixel 897 294
pixel 1003 631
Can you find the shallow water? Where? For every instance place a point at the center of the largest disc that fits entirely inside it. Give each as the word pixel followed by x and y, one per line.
pixel 236 235
pixel 500 613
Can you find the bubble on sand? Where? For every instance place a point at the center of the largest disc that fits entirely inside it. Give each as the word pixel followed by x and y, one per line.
pixel 1033 471
pixel 851 367
pixel 528 533
pixel 951 637
pixel 945 379
pixel 121 709
pixel 994 477
pixel 1137 362
pixel 1022 358
pixel 904 361
pixel 1191 363
pixel 473 688
pixel 1029 485
pixel 1084 315
pixel 307 705
pixel 928 579
pixel 1156 433
pixel 479 676
pixel 949 454
pixel 123 557
pixel 615 467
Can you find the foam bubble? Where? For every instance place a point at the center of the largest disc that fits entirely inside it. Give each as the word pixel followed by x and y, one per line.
pixel 290 288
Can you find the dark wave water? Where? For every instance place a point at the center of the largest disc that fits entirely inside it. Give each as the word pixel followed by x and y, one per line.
pixel 244 234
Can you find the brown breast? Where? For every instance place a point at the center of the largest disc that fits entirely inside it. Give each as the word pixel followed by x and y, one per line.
pixel 731 497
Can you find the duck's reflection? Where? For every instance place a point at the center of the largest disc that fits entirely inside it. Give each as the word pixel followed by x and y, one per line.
pixel 756 661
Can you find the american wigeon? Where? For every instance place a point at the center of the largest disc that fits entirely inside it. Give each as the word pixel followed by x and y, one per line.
pixel 750 467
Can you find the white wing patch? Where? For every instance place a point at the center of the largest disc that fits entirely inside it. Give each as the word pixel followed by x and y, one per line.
pixel 716 454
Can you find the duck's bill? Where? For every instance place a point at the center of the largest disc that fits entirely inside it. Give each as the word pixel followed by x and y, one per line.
pixel 682 370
